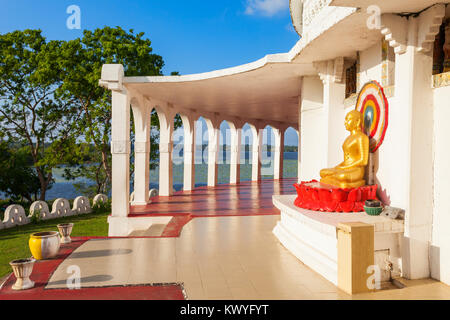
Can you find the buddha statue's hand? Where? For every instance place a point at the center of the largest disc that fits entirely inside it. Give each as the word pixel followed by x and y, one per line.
pixel 327 172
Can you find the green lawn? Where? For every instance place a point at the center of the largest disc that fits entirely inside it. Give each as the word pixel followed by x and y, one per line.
pixel 14 241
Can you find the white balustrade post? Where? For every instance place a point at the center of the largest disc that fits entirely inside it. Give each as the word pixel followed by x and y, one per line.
pixel 278 154
pixel 235 163
pixel 165 169
pixel 141 116
pixel 112 79
pixel 189 154
pixel 256 154
pixel 165 155
pixel 213 155
pixel 120 149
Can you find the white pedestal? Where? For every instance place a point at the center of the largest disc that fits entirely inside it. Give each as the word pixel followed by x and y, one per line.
pixel 312 237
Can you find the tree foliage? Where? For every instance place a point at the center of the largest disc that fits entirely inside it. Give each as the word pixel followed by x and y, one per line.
pixel 33 112
pixel 18 180
pixel 87 56
pixel 53 108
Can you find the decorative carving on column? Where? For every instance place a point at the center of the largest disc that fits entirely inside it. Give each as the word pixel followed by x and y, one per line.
pixel 165 147
pixel 330 70
pixel 120 147
pixel 447 47
pixel 395 28
pixel 141 147
pixel 112 77
pixel 429 23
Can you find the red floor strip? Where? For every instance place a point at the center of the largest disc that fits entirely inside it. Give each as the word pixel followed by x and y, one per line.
pixel 43 271
pixel 174 227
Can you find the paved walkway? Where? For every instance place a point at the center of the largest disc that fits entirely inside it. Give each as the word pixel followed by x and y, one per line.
pixel 220 258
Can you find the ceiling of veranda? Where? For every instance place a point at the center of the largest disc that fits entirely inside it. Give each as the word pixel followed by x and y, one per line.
pixel 267 89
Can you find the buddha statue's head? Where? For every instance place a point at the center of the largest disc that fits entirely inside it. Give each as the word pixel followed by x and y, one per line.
pixel 353 120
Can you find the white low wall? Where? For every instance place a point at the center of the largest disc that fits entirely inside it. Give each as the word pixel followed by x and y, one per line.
pixel 15 214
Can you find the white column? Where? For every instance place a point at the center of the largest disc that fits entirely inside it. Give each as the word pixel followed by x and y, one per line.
pixel 165 155
pixel 120 149
pixel 141 116
pixel 256 154
pixel 189 154
pixel 213 154
pixel 414 95
pixel 312 138
pixel 331 73
pixel 299 148
pixel 333 100
pixel 278 154
pixel 235 162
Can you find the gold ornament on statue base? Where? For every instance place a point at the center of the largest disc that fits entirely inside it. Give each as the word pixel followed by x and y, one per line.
pixel 351 172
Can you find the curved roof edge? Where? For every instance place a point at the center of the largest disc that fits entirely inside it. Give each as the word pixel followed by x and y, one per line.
pixel 268 59
pixel 296 8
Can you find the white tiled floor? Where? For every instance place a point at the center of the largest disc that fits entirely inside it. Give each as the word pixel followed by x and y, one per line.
pixel 216 258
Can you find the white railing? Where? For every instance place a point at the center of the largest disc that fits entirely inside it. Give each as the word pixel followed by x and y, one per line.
pixel 15 214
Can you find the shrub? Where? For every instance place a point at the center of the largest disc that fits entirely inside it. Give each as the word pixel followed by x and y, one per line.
pixel 102 207
pixel 36 217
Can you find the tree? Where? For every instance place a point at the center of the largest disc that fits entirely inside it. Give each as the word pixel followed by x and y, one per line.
pixel 85 58
pixel 33 111
pixel 17 177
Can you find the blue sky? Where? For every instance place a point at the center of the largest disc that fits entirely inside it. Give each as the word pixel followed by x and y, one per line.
pixel 192 36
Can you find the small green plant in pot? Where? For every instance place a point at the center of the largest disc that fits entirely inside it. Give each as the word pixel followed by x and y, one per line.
pixel 373 207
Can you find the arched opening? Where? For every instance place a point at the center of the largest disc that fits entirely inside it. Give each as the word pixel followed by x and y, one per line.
pixel 132 151
pixel 291 153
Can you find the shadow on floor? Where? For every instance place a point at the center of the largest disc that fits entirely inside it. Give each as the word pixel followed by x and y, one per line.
pixel 96 278
pixel 100 253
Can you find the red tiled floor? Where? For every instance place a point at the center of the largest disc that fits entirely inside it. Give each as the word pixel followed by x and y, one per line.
pixel 244 199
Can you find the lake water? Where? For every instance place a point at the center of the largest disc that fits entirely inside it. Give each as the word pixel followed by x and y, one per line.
pixel 65 189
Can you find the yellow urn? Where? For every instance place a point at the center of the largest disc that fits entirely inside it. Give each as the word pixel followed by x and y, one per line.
pixel 44 245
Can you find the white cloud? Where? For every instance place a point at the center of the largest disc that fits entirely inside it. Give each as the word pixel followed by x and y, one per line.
pixel 265 7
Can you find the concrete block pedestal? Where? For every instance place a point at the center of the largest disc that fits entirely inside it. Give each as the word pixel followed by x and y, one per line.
pixel 313 238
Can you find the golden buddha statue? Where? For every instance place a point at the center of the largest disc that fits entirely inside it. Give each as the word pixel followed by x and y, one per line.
pixel 350 173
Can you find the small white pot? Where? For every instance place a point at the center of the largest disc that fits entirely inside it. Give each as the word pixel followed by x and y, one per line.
pixel 65 230
pixel 22 270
